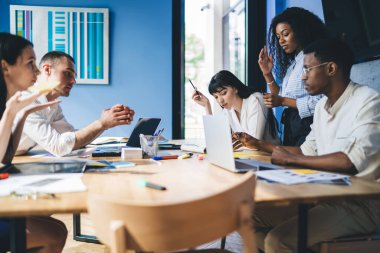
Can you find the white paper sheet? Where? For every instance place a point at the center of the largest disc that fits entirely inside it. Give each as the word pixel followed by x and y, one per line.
pixel 298 176
pixel 48 183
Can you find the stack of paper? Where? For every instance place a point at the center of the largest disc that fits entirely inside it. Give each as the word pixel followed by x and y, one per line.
pixel 194 147
pixel 300 176
pixel 48 183
pixel 109 140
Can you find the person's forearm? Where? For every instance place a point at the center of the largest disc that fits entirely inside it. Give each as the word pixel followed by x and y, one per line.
pixel 17 133
pixel 265 146
pixel 335 162
pixel 289 102
pixel 208 109
pixel 85 135
pixel 6 131
pixel 269 79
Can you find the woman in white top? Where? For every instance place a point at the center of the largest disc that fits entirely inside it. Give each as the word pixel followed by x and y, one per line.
pixel 245 110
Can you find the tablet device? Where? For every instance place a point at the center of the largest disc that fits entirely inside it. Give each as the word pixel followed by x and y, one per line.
pixel 146 126
pixel 45 167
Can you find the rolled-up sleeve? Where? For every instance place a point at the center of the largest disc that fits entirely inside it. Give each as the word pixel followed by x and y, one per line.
pixel 57 137
pixel 363 145
pixel 306 105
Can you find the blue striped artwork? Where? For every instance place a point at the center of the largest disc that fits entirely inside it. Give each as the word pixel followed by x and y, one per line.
pixel 80 32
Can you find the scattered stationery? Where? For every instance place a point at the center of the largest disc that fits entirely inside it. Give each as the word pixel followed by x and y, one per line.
pixel 48 183
pixel 301 176
pixel 109 140
pixel 165 157
pixel 185 156
pixel 45 87
pixel 194 147
pixel 168 146
pixel 131 153
pixel 152 185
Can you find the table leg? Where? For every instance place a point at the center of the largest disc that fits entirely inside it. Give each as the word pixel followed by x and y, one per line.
pixel 302 227
pixel 18 235
pixel 78 236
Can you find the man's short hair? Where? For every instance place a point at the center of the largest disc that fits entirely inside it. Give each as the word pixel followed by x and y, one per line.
pixel 333 50
pixel 54 57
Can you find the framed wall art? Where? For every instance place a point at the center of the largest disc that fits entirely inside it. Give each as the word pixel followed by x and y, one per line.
pixel 81 32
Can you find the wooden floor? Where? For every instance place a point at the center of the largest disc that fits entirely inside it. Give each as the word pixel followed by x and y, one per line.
pixel 233 242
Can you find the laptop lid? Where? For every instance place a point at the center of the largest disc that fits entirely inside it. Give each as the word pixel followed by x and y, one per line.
pixel 218 141
pixel 146 126
pixel 220 150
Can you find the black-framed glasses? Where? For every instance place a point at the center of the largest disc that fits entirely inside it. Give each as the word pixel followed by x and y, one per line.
pixel 307 70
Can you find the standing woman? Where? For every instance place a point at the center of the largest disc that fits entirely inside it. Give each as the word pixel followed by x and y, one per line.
pixel 18 71
pixel 289 33
pixel 244 109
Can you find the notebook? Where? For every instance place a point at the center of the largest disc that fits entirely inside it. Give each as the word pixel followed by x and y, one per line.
pixel 219 147
pixel 146 126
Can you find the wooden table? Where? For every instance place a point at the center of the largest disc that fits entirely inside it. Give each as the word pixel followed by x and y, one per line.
pixel 185 180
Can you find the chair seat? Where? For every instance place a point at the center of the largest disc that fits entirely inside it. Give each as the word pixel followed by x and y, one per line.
pixel 352 244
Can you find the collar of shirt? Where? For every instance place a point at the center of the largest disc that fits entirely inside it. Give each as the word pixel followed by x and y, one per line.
pixel 333 109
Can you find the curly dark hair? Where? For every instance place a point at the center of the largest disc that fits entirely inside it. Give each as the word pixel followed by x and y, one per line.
pixel 307 27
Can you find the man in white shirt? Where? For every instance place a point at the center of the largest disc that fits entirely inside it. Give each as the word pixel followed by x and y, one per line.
pixel 345 137
pixel 48 128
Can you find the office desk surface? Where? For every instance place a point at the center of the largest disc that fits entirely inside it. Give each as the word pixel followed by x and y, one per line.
pixel 185 180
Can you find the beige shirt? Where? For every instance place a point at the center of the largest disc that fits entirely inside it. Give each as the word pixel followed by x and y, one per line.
pixel 351 126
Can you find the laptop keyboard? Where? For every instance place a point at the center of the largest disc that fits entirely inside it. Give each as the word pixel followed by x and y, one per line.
pixel 240 165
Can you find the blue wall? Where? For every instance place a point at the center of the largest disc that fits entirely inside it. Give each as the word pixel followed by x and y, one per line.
pixel 140 62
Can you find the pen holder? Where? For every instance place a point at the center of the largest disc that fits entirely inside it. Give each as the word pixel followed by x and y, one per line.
pixel 149 144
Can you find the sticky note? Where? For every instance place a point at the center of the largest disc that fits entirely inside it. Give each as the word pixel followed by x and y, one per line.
pixel 305 171
pixel 45 86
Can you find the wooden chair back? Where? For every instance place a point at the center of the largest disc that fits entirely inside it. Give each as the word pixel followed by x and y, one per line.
pixel 146 227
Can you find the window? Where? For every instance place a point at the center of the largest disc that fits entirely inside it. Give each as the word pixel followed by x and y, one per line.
pixel 214 40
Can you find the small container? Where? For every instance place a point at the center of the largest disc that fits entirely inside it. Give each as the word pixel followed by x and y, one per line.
pixel 149 144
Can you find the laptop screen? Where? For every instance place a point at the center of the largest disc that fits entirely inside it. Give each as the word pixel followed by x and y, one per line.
pixel 146 126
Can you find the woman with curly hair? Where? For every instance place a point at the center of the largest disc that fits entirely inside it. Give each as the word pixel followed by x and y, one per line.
pixel 289 33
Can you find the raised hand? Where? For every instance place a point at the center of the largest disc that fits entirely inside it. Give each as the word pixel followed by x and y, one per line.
pixel 16 103
pixel 200 99
pixel 265 61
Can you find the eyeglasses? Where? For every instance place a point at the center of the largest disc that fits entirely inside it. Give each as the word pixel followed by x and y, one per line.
pixel 307 70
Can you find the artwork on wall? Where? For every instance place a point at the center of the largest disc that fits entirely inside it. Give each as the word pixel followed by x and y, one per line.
pixel 80 32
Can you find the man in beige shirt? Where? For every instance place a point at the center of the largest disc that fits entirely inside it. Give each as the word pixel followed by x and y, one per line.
pixel 345 137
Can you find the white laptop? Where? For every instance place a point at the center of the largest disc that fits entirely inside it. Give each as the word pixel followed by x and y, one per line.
pixel 219 147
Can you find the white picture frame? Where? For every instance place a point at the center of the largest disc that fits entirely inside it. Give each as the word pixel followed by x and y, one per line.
pixel 83 33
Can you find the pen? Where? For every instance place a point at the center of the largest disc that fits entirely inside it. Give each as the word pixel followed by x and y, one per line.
pixel 195 88
pixel 185 156
pixel 155 186
pixel 165 157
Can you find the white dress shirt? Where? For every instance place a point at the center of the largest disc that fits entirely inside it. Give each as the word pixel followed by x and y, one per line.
pixel 293 87
pixel 253 118
pixel 352 126
pixel 49 129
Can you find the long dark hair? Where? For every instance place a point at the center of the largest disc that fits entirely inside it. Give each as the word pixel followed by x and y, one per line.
pixel 225 78
pixel 307 28
pixel 11 47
